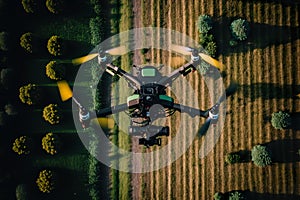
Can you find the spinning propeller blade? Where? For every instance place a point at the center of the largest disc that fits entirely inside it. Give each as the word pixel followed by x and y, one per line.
pixel 64 90
pixel 212 61
pixel 187 51
pixel 121 50
pixel 177 61
pixel 104 122
pixel 181 49
pixel 78 61
pixel 204 127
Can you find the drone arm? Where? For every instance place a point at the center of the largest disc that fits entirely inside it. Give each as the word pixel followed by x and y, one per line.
pixel 185 109
pixel 183 70
pixel 110 110
pixel 131 79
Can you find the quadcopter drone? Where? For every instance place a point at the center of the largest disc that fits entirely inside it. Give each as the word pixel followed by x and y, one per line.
pixel 149 87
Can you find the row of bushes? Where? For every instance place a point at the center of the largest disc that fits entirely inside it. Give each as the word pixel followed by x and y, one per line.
pixel 53 6
pixel 51 143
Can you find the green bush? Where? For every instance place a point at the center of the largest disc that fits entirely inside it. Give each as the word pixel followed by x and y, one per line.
pixel 22 192
pixel 203 68
pixel 55 6
pixel 4 41
pixel 204 23
pixel 96 25
pixel 240 29
pixel 232 158
pixel 205 38
pixel 55 71
pixel 26 42
pixel 51 143
pixel 281 120
pixel 218 196
pixel 55 45
pixel 233 43
pixel 30 94
pixel 261 156
pixel 30 6
pixel 22 145
pixel 236 195
pixel 8 78
pixel 52 114
pixel 10 109
pixel 211 48
pixel 46 181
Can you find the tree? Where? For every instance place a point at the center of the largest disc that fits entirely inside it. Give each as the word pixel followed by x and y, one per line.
pixel 10 109
pixel 7 78
pixel 55 71
pixel 46 181
pixel 236 195
pixel 281 120
pixel 4 41
pixel 22 145
pixel 26 42
pixel 51 143
pixel 55 6
pixel 218 196
pixel 52 114
pixel 240 29
pixel 261 156
pixel 204 23
pixel 232 158
pixel 30 94
pixel 211 48
pixel 55 45
pixel 30 6
pixel 203 68
pixel 22 192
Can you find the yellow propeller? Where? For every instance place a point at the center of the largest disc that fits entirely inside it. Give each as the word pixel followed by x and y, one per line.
pixel 187 51
pixel 78 61
pixel 104 122
pixel 64 90
pixel 212 61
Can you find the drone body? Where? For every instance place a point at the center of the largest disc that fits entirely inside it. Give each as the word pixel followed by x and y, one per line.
pixel 149 100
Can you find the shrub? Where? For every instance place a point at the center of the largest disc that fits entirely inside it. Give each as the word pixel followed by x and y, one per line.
pixel 211 48
pixel 10 109
pixel 46 181
pixel 26 42
pixel 236 195
pixel 30 6
pixel 55 6
pixel 22 192
pixel 203 68
pixel 55 71
pixel 96 24
pixel 4 41
pixel 30 94
pixel 232 158
pixel 281 120
pixel 22 145
pixel 204 23
pixel 204 39
pixel 51 143
pixel 240 29
pixel 261 156
pixel 52 114
pixel 7 77
pixel 55 45
pixel 233 43
pixel 218 196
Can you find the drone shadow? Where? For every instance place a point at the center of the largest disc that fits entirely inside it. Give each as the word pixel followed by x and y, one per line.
pixel 260 36
pixel 269 91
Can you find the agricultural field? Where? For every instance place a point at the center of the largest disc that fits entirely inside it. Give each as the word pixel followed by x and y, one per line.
pixel 43 159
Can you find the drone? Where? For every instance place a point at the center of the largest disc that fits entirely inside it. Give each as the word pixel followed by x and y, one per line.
pixel 149 87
